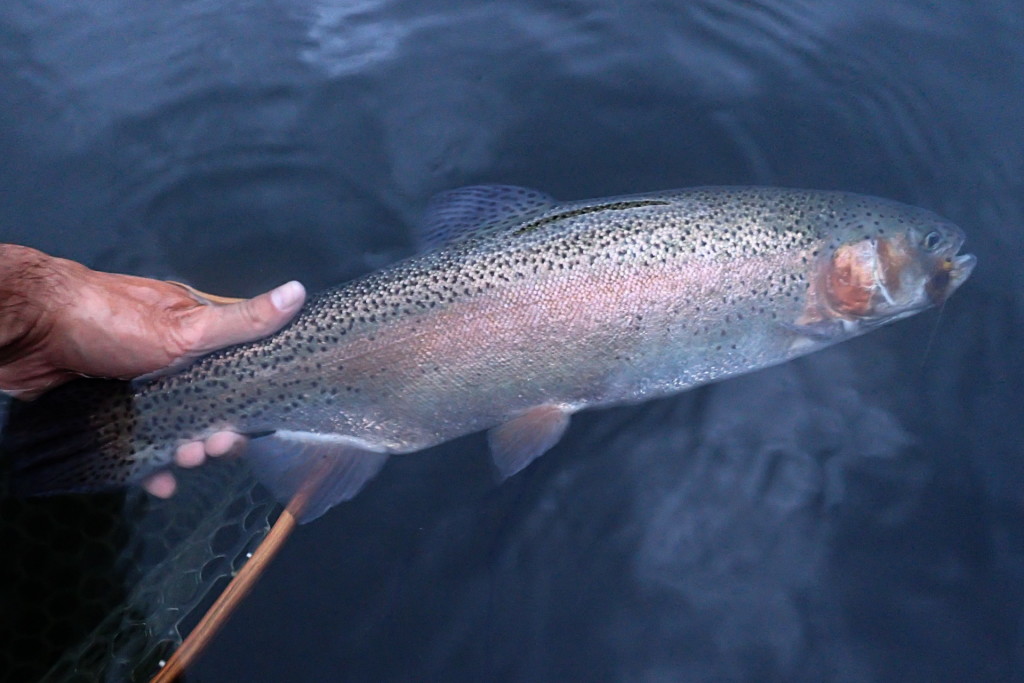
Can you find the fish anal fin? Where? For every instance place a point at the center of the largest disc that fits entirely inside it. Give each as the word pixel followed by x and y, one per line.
pixel 464 211
pixel 312 472
pixel 521 440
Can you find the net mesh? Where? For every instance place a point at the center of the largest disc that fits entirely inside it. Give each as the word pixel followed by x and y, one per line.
pixel 104 587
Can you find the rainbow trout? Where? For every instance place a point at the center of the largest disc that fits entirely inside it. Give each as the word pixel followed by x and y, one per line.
pixel 522 312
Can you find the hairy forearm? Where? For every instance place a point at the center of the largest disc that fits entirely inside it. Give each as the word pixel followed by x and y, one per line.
pixel 60 320
pixel 25 277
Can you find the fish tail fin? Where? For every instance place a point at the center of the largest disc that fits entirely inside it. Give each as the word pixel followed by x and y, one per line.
pixel 73 439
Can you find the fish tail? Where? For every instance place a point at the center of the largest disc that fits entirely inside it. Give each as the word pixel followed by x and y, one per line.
pixel 74 439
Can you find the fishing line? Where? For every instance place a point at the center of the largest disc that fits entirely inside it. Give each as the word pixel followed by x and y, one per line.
pixel 931 337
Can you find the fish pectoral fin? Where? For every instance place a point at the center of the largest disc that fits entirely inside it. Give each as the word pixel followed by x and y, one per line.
pixel 455 214
pixel 521 440
pixel 820 330
pixel 312 471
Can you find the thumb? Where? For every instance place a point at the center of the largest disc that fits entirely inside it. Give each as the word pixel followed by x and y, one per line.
pixel 250 319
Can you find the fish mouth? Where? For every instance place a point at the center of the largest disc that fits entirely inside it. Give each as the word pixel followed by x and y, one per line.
pixel 953 271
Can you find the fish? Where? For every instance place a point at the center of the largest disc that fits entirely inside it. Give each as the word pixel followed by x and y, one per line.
pixel 518 312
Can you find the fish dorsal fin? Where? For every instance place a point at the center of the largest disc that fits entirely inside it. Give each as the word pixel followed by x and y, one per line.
pixel 326 469
pixel 521 440
pixel 455 214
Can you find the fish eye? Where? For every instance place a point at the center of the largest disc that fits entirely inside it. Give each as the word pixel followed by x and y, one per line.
pixel 932 240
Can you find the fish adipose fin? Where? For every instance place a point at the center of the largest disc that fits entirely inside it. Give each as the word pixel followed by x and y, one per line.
pixel 521 440
pixel 455 214
pixel 325 469
pixel 69 440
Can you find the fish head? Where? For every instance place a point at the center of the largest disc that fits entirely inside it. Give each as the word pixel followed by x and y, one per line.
pixel 889 262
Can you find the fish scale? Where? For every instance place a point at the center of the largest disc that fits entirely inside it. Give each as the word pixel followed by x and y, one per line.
pixel 525 311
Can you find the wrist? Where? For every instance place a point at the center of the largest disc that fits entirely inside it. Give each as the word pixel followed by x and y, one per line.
pixel 27 285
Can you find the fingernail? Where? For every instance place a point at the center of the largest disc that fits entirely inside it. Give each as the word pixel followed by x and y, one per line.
pixel 288 295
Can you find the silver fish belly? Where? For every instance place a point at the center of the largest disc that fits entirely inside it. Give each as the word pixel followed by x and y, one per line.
pixel 525 310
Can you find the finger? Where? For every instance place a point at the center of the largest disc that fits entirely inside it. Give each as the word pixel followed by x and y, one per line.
pixel 251 319
pixel 224 443
pixel 161 484
pixel 192 454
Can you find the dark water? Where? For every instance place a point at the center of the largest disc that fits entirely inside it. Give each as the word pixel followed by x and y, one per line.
pixel 852 516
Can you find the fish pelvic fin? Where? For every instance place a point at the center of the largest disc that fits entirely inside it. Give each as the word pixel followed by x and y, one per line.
pixel 76 438
pixel 524 438
pixel 312 472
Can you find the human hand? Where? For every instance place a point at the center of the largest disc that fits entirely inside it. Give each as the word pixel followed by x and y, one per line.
pixel 63 320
